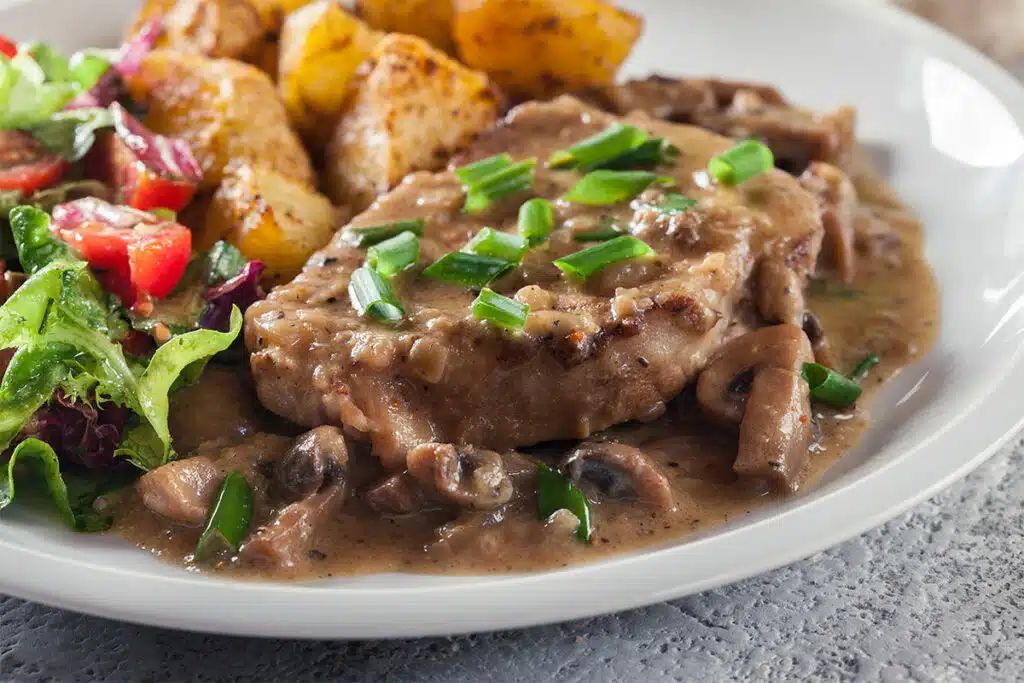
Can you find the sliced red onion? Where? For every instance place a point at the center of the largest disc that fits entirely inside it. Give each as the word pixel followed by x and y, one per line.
pixel 170 157
pixel 243 290
pixel 92 210
pixel 128 62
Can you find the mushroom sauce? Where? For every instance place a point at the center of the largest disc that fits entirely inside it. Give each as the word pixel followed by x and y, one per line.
pixel 890 309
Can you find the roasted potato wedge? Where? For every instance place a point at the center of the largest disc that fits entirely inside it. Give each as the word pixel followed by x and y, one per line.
pixel 270 217
pixel 224 109
pixel 539 48
pixel 215 28
pixel 273 12
pixel 322 46
pixel 414 108
pixel 430 19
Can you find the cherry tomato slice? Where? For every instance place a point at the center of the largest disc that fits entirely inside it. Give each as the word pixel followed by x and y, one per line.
pixel 25 165
pixel 7 47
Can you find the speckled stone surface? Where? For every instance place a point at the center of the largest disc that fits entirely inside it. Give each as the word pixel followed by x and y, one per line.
pixel 936 595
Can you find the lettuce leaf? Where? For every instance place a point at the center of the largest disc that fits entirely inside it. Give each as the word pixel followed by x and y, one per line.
pixel 61 325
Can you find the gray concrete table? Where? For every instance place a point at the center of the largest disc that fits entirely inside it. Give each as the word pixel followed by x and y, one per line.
pixel 936 595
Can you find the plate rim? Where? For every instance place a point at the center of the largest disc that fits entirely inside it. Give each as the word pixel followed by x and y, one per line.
pixel 129 595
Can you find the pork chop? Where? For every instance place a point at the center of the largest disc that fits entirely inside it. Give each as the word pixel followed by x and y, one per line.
pixel 594 354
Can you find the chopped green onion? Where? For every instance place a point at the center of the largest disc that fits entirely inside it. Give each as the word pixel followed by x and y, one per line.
pixel 651 153
pixel 470 270
pixel 365 237
pixel 228 519
pixel 599 188
pixel 500 310
pixel 371 295
pixel 865 366
pixel 609 144
pixel 394 255
pixel 555 492
pixel 741 163
pixel 477 171
pixel 585 263
pixel 829 386
pixel 676 203
pixel 508 181
pixel 490 242
pixel 608 229
pixel 536 221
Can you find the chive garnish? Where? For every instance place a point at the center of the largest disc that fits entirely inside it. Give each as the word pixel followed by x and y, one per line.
pixel 228 519
pixel 585 263
pixel 536 221
pixel 470 270
pixel 395 254
pixel 676 203
pixel 509 180
pixel 490 242
pixel 473 173
pixel 365 237
pixel 741 163
pixel 865 366
pixel 600 188
pixel 651 153
pixel 500 310
pixel 371 295
pixel 609 144
pixel 555 492
pixel 830 387
pixel 608 229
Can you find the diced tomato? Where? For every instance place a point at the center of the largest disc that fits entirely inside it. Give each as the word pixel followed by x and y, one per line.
pixel 158 260
pixel 25 165
pixel 150 171
pixel 7 47
pixel 136 255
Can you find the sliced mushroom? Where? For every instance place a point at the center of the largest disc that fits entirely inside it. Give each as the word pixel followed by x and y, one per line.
pixel 819 340
pixel 469 477
pixel 838 198
pixel 619 471
pixel 287 538
pixel 316 456
pixel 398 494
pixel 780 293
pixel 756 382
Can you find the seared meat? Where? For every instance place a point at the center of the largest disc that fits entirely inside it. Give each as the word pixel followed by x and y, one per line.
pixel 740 110
pixel 611 350
pixel 182 490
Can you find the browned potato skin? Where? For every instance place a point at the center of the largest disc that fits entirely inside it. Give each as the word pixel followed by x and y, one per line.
pixel 413 109
pixel 224 109
pixel 215 28
pixel 322 47
pixel 540 48
pixel 273 12
pixel 429 19
pixel 270 218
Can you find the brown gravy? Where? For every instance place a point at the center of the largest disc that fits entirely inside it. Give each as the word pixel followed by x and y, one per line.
pixel 891 309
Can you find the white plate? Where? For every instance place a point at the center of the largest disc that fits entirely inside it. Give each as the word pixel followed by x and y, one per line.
pixel 951 124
